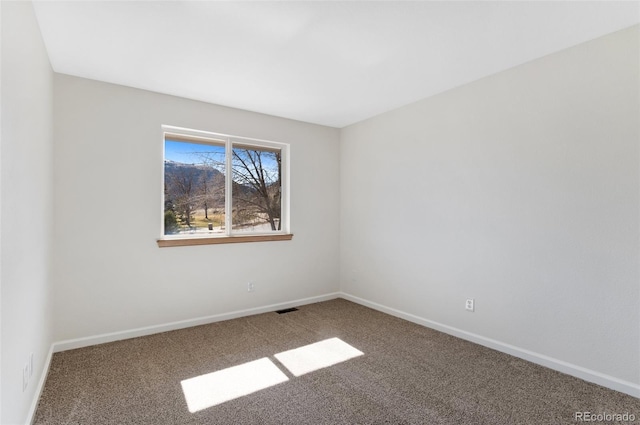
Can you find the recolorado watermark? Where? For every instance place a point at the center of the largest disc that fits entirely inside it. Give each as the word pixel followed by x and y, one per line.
pixel 603 417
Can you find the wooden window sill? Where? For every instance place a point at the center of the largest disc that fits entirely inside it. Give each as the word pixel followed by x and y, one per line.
pixel 164 243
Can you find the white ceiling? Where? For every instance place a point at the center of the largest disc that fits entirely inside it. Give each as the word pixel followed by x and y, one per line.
pixel 330 63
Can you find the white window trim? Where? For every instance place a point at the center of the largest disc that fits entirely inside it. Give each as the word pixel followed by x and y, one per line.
pixel 229 236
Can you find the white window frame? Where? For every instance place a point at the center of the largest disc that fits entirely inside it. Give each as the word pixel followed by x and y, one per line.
pixel 229 236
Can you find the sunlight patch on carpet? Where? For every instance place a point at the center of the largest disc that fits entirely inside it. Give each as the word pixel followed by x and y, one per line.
pixel 317 356
pixel 214 388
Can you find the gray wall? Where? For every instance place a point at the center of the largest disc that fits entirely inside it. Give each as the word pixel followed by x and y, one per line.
pixel 519 190
pixel 26 208
pixel 110 274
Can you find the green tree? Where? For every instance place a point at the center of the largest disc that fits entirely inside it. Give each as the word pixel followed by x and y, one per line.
pixel 170 220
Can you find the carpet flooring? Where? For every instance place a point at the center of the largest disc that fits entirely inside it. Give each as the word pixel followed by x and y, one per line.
pixel 407 374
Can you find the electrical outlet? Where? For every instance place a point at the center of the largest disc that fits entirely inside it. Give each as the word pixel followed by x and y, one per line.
pixel 469 304
pixel 251 287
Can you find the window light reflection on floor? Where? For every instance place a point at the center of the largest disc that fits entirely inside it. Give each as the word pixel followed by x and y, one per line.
pixel 211 389
pixel 215 388
pixel 317 356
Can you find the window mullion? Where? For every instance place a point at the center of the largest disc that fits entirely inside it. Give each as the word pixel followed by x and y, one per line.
pixel 228 207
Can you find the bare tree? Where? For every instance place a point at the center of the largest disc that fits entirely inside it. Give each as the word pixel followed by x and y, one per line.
pixel 182 187
pixel 257 176
pixel 210 190
pixel 256 186
pixel 211 185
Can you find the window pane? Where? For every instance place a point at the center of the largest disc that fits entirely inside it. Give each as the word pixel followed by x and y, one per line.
pixel 257 184
pixel 194 187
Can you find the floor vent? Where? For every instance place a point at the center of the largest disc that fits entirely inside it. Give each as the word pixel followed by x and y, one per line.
pixel 286 310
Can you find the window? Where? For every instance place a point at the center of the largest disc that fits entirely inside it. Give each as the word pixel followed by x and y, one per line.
pixel 221 189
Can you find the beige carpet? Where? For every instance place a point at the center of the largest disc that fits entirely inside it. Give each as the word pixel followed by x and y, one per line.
pixel 407 374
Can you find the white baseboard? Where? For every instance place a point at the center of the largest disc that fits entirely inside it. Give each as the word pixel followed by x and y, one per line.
pixel 150 330
pixel 71 344
pixel 43 378
pixel 561 366
pixel 555 364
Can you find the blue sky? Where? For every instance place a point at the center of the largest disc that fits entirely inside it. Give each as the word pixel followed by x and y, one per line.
pixel 211 155
pixel 190 153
